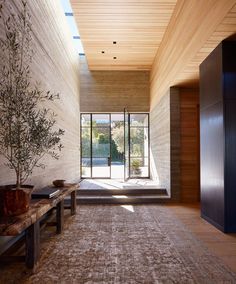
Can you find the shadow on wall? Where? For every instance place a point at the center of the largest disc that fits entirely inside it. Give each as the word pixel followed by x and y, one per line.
pixel 160 143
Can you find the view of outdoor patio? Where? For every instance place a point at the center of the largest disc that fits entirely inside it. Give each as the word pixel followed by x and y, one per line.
pixel 112 148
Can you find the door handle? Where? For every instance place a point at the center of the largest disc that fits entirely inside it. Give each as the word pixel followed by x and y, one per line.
pixel 109 161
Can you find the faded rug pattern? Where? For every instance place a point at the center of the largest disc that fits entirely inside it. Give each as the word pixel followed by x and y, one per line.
pixel 110 244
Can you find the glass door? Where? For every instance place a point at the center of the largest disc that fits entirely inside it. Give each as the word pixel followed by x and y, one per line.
pixel 101 146
pixel 95 146
pixel 126 146
pixel 86 145
pixel 139 145
pixel 115 145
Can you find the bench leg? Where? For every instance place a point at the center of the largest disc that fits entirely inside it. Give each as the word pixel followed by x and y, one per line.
pixel 32 241
pixel 73 202
pixel 60 217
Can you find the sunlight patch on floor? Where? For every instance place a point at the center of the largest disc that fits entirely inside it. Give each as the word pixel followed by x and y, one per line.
pixel 118 184
pixel 120 196
pixel 128 207
pixel 100 184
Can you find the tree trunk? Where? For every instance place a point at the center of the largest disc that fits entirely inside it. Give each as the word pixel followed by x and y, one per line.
pixel 17 179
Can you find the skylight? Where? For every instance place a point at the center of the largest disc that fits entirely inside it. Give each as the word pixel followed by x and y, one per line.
pixel 73 27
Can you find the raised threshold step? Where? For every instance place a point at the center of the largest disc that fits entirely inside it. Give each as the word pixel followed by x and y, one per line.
pixel 121 196
pixel 120 199
pixel 108 192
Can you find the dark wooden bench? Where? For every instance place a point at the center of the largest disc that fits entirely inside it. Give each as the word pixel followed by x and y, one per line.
pixel 30 223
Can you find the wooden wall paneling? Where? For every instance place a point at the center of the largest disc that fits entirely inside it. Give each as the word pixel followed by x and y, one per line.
pixel 174 129
pixel 175 143
pixel 189 145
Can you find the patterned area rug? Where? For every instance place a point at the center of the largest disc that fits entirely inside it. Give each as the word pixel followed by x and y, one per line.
pixel 125 245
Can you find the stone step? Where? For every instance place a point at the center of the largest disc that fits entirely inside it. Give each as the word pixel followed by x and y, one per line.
pixel 109 192
pixel 122 199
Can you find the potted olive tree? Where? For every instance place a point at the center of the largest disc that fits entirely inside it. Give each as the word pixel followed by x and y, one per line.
pixel 27 129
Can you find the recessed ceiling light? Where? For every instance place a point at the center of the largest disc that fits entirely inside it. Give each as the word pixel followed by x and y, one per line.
pixel 114 42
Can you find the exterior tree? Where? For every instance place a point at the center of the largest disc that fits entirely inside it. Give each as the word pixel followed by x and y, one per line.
pixel 27 130
pixel 118 137
pixel 136 139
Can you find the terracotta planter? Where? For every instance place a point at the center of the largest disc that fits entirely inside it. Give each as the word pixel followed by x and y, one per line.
pixel 136 171
pixel 14 201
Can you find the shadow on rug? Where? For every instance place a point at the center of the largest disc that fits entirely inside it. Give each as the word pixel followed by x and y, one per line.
pixel 115 244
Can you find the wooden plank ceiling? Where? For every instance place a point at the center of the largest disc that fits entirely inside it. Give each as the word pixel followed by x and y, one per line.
pixel 195 29
pixel 137 27
pixel 168 37
pixel 226 28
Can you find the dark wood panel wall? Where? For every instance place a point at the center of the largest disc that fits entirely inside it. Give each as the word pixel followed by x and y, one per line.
pixel 56 66
pixel 175 143
pixel 218 136
pixel 174 125
pixel 189 145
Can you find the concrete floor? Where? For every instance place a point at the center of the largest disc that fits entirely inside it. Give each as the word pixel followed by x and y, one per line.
pixel 118 184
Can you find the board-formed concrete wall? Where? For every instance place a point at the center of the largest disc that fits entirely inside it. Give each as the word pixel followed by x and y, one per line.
pixel 56 66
